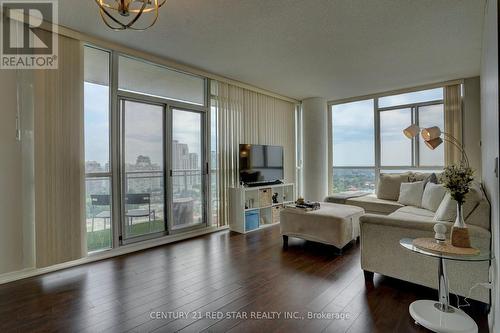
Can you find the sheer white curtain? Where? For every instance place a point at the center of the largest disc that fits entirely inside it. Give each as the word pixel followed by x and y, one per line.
pixel 245 116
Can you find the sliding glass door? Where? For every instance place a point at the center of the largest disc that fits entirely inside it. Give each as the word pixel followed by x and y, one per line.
pixel 143 169
pixel 187 168
pixel 157 138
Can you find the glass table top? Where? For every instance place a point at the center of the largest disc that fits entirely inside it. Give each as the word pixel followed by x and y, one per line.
pixel 482 256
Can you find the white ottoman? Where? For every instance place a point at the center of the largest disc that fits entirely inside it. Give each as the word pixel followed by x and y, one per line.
pixel 332 224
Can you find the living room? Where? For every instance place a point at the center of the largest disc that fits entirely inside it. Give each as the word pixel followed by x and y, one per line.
pixel 217 165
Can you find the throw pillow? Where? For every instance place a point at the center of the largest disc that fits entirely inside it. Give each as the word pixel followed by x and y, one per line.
pixel 411 194
pixel 417 176
pixel 433 196
pixel 447 210
pixel 433 179
pixel 389 185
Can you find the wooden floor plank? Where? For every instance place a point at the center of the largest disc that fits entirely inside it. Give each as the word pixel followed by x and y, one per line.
pixel 221 273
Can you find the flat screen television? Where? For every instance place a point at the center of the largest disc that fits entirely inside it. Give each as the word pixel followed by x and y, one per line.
pixel 260 164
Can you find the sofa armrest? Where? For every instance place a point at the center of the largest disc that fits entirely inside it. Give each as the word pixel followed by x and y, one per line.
pixel 396 222
pixel 382 253
pixel 480 237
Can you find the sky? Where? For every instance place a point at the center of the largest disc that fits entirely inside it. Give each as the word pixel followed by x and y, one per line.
pixel 143 128
pixel 353 130
pixel 96 104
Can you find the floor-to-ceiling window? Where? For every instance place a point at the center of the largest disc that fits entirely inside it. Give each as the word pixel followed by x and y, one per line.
pixel 143 186
pixel 367 137
pixel 424 108
pixel 146 157
pixel 353 136
pixel 99 222
pixel 187 171
pixel 214 166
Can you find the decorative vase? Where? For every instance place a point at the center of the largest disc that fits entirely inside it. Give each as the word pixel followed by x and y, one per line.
pixel 460 232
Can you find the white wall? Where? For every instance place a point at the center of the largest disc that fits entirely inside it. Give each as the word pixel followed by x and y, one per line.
pixel 11 231
pixel 315 148
pixel 472 123
pixel 490 138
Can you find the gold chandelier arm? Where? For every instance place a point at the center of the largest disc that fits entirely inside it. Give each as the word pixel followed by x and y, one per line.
pixel 147 27
pixel 148 10
pixel 136 16
pixel 105 14
pixel 120 24
pixel 152 22
pixel 110 20
pixel 101 3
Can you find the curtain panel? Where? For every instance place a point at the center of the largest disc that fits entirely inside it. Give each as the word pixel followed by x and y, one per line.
pixel 452 122
pixel 244 116
pixel 59 158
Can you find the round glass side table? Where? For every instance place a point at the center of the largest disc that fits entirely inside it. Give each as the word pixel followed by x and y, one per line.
pixel 441 316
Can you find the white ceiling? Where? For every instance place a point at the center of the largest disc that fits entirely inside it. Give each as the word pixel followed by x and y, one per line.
pixel 309 48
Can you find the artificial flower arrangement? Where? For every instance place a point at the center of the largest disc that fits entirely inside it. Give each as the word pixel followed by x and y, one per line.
pixel 457 179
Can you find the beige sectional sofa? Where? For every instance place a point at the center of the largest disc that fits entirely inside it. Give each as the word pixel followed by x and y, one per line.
pixel 387 221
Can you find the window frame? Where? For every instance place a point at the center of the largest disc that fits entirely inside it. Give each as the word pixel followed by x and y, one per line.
pixel 378 167
pixel 169 104
pixel 415 154
pixel 114 173
pixel 106 175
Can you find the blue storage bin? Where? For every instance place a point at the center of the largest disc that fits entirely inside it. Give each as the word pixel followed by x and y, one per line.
pixel 252 220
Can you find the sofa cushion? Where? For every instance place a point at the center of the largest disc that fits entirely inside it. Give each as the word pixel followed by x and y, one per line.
pixel 372 204
pixel 447 210
pixel 433 196
pixel 340 198
pixel 411 193
pixel 413 214
pixel 389 185
pixel 480 216
pixel 418 176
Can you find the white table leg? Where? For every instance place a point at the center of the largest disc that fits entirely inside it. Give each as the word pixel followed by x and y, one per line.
pixel 441 316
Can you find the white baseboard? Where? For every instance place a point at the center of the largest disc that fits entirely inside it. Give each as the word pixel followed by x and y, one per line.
pixel 30 272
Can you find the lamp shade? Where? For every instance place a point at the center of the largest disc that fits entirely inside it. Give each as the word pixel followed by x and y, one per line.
pixel 411 131
pixel 431 133
pixel 434 143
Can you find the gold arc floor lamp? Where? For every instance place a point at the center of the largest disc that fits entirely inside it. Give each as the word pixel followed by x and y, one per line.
pixel 432 139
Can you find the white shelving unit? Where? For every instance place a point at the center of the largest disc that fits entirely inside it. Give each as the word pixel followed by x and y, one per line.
pixel 246 204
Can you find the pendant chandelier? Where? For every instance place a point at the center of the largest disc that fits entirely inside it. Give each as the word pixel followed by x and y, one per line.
pixel 125 14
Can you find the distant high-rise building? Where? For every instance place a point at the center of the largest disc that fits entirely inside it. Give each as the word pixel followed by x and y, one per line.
pixel 92 166
pixel 182 158
pixel 143 161
pixel 193 161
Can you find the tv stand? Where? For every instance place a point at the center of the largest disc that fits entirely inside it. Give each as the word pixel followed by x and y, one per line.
pixel 269 183
pixel 253 208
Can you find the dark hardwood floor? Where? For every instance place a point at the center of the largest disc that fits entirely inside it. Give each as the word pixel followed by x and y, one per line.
pixel 221 273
